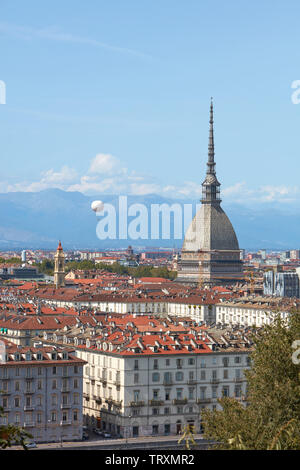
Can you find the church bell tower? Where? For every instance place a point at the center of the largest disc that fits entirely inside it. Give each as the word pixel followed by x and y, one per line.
pixel 59 267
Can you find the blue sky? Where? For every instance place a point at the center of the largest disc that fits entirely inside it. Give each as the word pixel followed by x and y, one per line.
pixel 114 96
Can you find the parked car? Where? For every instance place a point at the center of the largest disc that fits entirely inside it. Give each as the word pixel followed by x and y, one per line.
pixel 31 445
pixel 85 436
pixel 106 434
pixel 97 431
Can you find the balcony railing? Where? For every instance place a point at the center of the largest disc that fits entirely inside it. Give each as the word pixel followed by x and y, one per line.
pixel 67 422
pixel 179 401
pixel 154 402
pixel 29 407
pixel 203 400
pixel 215 381
pixel 29 425
pixel 137 403
pixel 65 405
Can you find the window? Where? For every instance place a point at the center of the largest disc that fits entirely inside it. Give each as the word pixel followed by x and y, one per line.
pixel 202 375
pixel 191 361
pixel 136 378
pixel 54 370
pixel 179 363
pixel 155 394
pixel 155 411
pixel 225 361
pixel 136 395
pixel 75 369
pixel 202 363
pixel 136 364
pixel 167 394
pixel 179 376
pixel 155 377
pixel 53 417
pixel 167 411
pixel 225 373
pixel 167 362
pixel 54 384
pixel 237 360
pixel 202 393
pixel 214 392
pixel 75 383
pixel 17 386
pixel 17 402
pixel 191 393
pixel 75 416
pixel 155 364
pixel 225 391
pixel 179 393
pixel 39 385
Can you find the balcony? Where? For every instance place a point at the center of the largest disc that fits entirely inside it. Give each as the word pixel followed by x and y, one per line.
pixel 137 403
pixel 239 379
pixel 156 402
pixel 201 401
pixel 65 405
pixel 65 389
pixel 29 392
pixel 66 422
pixel 192 381
pixel 97 399
pixel 103 380
pixel 29 425
pixel 112 402
pixel 86 395
pixel 215 381
pixel 29 407
pixel 179 401
pixel 29 378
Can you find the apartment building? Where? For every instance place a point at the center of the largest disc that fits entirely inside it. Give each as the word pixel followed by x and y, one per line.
pixel 41 391
pixel 140 383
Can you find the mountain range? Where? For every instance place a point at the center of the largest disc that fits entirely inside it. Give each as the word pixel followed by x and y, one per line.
pixel 38 220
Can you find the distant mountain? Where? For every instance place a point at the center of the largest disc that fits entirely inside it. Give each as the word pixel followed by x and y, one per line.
pixel 39 220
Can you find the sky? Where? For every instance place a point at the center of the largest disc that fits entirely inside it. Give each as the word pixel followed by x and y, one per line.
pixel 113 97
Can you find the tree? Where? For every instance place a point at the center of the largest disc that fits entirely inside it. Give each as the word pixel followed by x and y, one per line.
pixel 272 418
pixel 12 434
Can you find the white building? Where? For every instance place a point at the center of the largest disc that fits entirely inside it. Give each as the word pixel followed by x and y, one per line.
pixel 41 391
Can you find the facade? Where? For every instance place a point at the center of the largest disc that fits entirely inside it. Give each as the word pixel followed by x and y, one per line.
pixel 282 284
pixel 59 267
pixel 41 391
pixel 210 252
pixel 140 383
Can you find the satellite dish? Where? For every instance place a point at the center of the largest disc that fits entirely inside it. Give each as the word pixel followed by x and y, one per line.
pixel 97 206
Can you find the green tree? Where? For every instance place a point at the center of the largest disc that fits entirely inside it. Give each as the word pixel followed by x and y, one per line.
pixel 12 434
pixel 272 418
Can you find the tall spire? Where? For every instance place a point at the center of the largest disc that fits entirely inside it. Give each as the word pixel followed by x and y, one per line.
pixel 211 191
pixel 211 144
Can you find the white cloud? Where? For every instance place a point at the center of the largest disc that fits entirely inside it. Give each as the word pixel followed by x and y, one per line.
pixel 105 164
pixel 107 175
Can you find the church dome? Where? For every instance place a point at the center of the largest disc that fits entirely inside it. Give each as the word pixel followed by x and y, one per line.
pixel 210 229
